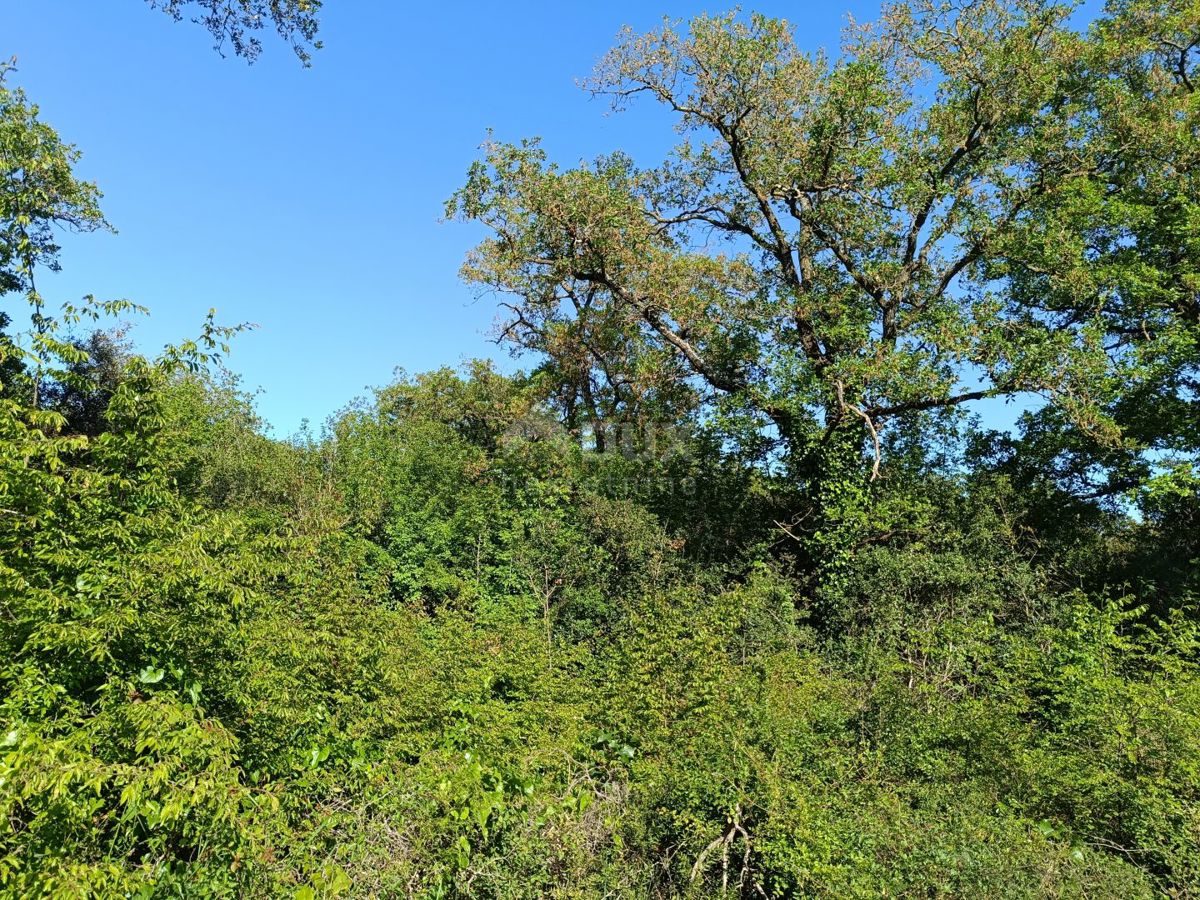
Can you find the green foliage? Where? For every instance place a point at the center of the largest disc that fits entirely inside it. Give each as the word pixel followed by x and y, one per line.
pixel 601 630
pixel 237 23
pixel 971 201
pixel 412 665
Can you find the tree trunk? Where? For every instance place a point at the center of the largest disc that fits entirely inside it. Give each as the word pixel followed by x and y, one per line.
pixel 839 488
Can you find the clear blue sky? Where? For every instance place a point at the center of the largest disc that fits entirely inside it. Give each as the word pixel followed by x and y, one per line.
pixel 309 201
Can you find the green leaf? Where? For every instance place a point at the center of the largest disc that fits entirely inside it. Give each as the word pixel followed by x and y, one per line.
pixel 151 675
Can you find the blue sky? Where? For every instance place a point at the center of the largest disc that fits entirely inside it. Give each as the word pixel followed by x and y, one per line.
pixel 309 201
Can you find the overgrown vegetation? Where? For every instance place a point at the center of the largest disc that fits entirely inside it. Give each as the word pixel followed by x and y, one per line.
pixel 731 595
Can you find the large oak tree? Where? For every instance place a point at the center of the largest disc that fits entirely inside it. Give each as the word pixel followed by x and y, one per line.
pixel 969 201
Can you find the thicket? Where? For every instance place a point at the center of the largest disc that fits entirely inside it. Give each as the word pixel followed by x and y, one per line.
pixel 731 595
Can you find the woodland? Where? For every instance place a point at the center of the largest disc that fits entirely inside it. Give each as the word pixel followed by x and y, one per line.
pixel 731 591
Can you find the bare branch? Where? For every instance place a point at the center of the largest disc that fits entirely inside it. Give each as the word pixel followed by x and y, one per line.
pixel 858 411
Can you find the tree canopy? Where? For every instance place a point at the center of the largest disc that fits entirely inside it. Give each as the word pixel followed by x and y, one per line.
pixel 969 201
pixel 236 23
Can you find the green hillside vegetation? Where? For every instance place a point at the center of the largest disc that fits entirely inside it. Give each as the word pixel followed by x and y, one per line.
pixel 730 593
